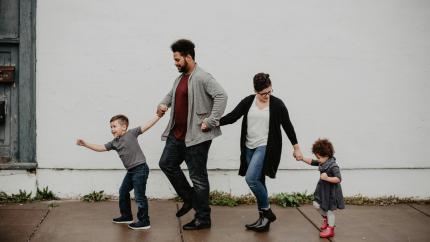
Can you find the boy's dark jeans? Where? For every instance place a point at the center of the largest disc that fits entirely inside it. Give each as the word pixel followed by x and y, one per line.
pixel 196 156
pixel 135 179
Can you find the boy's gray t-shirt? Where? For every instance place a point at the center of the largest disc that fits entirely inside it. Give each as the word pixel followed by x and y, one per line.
pixel 128 148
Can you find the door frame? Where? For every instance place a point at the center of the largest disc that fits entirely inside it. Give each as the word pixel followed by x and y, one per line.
pixel 26 41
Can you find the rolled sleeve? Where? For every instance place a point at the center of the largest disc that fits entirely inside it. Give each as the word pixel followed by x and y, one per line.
pixel 109 146
pixel 336 172
pixel 136 131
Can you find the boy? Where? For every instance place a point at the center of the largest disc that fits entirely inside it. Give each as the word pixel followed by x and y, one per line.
pixel 126 144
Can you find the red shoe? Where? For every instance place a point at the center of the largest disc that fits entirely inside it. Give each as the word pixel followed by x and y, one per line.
pixel 324 224
pixel 327 233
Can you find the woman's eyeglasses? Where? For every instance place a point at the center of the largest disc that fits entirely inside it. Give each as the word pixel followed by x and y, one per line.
pixel 264 94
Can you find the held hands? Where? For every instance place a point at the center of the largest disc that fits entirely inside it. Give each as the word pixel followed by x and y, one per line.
pixel 298 155
pixel 161 110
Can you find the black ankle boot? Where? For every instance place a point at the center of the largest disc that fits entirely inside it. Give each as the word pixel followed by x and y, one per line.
pixel 251 226
pixel 264 225
pixel 269 214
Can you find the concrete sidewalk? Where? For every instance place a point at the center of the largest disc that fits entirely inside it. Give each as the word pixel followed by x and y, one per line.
pixel 80 221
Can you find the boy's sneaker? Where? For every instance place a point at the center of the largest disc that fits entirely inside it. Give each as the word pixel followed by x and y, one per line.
pixel 140 225
pixel 122 220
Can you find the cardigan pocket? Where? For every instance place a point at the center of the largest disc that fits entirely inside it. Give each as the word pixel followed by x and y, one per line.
pixel 201 116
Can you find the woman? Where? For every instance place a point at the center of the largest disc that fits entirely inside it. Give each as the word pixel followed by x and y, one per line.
pixel 261 143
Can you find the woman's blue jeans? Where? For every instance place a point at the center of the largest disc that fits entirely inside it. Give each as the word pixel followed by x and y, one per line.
pixel 255 176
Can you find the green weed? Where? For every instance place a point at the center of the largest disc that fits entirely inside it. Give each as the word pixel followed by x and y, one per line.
pixel 45 194
pixel 95 197
pixel 21 197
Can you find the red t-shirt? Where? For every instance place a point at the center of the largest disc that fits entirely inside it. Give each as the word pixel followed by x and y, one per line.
pixel 181 108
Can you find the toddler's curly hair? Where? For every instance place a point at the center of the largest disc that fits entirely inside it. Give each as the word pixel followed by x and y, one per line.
pixel 323 147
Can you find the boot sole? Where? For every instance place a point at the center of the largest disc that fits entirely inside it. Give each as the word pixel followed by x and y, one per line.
pixel 196 228
pixel 260 230
pixel 140 228
pixel 325 237
pixel 123 222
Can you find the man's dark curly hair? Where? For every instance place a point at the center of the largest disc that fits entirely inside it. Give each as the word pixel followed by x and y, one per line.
pixel 323 147
pixel 261 81
pixel 184 46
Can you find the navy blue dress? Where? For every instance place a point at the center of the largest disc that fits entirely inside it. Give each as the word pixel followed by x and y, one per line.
pixel 329 195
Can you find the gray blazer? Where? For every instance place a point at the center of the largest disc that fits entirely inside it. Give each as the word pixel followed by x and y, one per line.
pixel 206 102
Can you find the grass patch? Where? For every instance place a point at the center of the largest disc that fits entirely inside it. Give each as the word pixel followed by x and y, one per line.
pixel 246 199
pixel 24 197
pixel 283 199
pixel 21 197
pixel 95 197
pixel 44 195
pixel 296 199
pixel 292 199
pixel 383 201
pixel 4 197
pixel 222 199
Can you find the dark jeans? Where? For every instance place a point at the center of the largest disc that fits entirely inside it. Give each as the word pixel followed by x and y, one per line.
pixel 135 179
pixel 196 156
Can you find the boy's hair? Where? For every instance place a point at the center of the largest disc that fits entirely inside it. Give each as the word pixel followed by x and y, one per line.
pixel 261 81
pixel 183 46
pixel 122 119
pixel 323 147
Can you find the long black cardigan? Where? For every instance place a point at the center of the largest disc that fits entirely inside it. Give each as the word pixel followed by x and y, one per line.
pixel 278 115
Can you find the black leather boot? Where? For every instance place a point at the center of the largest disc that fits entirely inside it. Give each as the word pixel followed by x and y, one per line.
pixel 264 225
pixel 269 214
pixel 250 226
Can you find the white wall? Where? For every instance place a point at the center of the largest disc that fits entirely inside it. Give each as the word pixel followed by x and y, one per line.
pixel 356 72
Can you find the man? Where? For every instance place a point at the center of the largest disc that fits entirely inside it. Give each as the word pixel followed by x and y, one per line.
pixel 197 102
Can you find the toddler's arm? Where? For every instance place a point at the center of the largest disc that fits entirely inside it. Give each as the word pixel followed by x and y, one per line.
pixel 95 147
pixel 327 178
pixel 307 160
pixel 150 123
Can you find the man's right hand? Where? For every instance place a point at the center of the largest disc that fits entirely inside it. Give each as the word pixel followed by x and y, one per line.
pixel 161 110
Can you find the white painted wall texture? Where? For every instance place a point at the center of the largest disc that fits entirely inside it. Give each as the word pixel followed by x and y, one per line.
pixel 356 72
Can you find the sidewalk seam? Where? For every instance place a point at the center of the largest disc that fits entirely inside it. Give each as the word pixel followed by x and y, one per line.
pixel 38 225
pixel 180 225
pixel 307 218
pixel 426 214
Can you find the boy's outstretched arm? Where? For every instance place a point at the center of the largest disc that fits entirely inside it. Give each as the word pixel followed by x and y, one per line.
pixel 149 124
pixel 95 147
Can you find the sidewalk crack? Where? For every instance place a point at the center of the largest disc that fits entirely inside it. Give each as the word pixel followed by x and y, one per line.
pixel 412 206
pixel 310 221
pixel 38 225
pixel 180 225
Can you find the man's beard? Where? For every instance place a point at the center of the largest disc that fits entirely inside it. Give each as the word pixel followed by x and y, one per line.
pixel 184 68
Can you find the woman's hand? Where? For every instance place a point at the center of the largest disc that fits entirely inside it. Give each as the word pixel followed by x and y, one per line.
pixel 297 153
